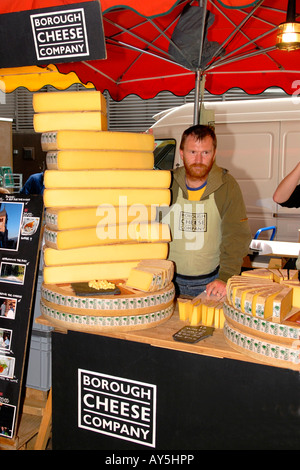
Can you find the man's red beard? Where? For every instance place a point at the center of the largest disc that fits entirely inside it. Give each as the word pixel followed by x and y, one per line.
pixel 197 170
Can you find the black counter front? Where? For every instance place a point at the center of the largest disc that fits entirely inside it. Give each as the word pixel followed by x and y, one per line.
pixel 130 392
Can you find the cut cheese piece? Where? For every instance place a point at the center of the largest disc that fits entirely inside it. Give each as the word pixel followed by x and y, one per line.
pixel 196 314
pixel 247 298
pixel 95 254
pixel 296 293
pixel 87 272
pixel 261 273
pixel 240 294
pixel 261 301
pixel 70 218
pixel 99 159
pixel 219 316
pixel 165 265
pixel 96 140
pixel 277 276
pixel 107 179
pixel 79 121
pixel 282 304
pixel 185 309
pixel 148 277
pixel 100 197
pixel 69 101
pixel 77 238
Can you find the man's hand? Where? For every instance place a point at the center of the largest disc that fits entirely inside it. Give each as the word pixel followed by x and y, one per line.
pixel 216 287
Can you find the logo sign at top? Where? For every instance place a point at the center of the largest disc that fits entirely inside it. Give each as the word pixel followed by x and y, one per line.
pixel 60 34
pixel 67 33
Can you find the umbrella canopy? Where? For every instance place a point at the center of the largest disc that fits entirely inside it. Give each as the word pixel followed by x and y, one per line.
pixel 140 59
pixel 235 47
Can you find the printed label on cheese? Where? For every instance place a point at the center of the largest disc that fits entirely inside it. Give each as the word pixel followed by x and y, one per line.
pixel 114 197
pixel 89 100
pixel 96 140
pixel 99 159
pixel 107 179
pixel 78 121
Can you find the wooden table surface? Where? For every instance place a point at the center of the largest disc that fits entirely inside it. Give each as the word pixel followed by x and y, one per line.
pixel 162 336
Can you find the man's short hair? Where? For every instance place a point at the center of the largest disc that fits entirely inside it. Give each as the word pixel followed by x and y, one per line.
pixel 199 132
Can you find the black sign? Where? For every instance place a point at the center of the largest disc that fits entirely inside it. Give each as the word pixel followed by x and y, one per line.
pixel 20 229
pixel 68 33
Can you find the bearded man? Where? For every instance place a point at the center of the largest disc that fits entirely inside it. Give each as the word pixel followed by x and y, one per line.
pixel 209 225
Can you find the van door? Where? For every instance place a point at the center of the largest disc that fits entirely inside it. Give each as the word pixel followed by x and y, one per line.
pixel 288 220
pixel 250 151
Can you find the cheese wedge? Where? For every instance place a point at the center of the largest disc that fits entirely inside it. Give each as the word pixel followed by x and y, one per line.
pixel 277 276
pixel 99 159
pixel 262 302
pixel 241 292
pixel 261 273
pixel 150 277
pixel 96 140
pixel 56 198
pixel 107 179
pixel 70 218
pixel 76 238
pixel 78 121
pixel 296 293
pixel 105 253
pixel 165 265
pixel 282 304
pixel 87 272
pixel 247 298
pixel 69 101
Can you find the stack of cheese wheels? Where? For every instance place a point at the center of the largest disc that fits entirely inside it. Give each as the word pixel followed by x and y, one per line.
pixel 262 314
pixel 202 310
pixel 101 196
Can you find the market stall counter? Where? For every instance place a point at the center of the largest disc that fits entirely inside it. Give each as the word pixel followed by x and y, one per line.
pixel 143 390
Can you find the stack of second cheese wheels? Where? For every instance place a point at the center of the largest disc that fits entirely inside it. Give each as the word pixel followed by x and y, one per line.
pixel 101 195
pixel 262 314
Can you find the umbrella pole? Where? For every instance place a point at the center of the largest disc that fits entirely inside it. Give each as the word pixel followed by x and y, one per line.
pixel 199 92
pixel 197 95
pixel 199 76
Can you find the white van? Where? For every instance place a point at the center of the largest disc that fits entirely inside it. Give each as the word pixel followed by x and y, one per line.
pixel 258 142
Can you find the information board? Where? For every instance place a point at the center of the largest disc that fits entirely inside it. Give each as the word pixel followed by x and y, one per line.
pixel 20 232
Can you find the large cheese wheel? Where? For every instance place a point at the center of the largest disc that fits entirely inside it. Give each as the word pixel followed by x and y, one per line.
pixel 70 218
pixel 105 253
pixel 107 179
pixel 87 272
pixel 91 100
pixel 78 121
pixel 63 298
pixel 264 350
pixel 114 197
pixel 144 232
pixel 96 140
pixel 93 324
pixel 99 159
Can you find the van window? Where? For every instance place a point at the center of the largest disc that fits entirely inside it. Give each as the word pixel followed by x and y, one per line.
pixel 164 154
